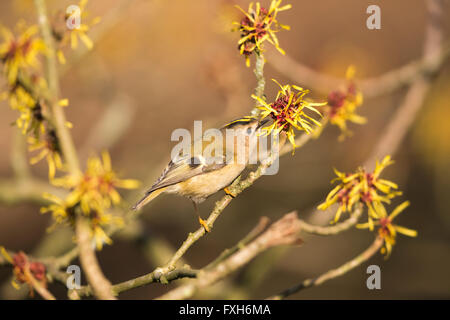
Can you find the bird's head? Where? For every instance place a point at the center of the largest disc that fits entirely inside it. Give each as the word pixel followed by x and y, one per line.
pixel 247 125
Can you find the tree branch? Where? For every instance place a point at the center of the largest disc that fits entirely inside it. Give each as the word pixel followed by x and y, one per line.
pixel 94 275
pixel 256 231
pixel 260 80
pixel 176 274
pixel 370 87
pixel 43 292
pixel 350 265
pixel 417 92
pixel 179 273
pixel 65 140
pixel 283 232
pixel 89 262
pixel 13 191
pixel 335 229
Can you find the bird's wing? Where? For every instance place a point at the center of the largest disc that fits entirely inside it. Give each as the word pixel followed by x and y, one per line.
pixel 184 168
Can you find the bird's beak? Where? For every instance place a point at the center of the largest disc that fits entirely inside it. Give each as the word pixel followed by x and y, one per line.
pixel 261 123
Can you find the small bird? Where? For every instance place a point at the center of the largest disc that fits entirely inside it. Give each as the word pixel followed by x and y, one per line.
pixel 197 176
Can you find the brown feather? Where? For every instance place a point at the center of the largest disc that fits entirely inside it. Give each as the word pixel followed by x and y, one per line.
pixel 149 196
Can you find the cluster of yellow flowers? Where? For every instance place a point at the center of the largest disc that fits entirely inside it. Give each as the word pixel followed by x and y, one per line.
pixel 258 25
pixel 63 35
pixel 288 112
pixel 342 105
pixel 386 229
pixel 20 53
pixel 92 193
pixel 370 190
pixel 20 56
pixel 361 187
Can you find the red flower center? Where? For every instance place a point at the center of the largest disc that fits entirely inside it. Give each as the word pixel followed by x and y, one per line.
pixel 384 222
pixel 336 100
pixel 258 29
pixel 283 113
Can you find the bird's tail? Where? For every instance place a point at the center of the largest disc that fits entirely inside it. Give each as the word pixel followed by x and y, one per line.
pixel 149 196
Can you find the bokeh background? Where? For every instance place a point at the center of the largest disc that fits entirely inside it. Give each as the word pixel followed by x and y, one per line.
pixel 163 64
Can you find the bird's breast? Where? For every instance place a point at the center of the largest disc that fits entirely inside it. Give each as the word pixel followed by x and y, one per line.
pixel 200 187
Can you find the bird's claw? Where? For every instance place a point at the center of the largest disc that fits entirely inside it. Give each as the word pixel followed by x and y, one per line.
pixel 228 192
pixel 204 224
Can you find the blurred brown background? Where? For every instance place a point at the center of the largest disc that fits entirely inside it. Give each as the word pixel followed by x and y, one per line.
pixel 165 64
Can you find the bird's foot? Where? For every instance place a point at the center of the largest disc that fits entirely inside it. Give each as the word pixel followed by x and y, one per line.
pixel 228 192
pixel 204 224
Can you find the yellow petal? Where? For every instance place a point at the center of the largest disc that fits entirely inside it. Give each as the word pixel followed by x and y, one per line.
pixel 5 254
pixel 63 102
pixel 61 57
pixel 73 40
pixel 399 209
pixel 127 183
pixel 86 40
pixel 15 285
pixel 350 73
pixel 406 231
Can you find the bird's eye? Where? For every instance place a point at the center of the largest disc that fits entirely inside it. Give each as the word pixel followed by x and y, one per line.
pixel 249 130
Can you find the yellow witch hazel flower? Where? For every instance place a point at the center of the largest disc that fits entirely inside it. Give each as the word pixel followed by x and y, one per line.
pixel 72 28
pixel 46 141
pixel 98 222
pixel 18 97
pixel 64 210
pixel 92 193
pixel 102 181
pixel 30 111
pixel 20 52
pixel 61 210
pixel 31 118
pixel 258 25
pixel 288 112
pixel 361 187
pixel 342 105
pixel 49 149
pixel 386 229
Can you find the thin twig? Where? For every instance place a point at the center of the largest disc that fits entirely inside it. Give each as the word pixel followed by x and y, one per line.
pixel 415 97
pixel 63 260
pixel 19 160
pixel 260 80
pixel 282 232
pixel 43 292
pixel 112 125
pixel 176 274
pixel 386 83
pixel 256 231
pixel 402 120
pixel 334 273
pixel 94 275
pixel 335 229
pixel 14 191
